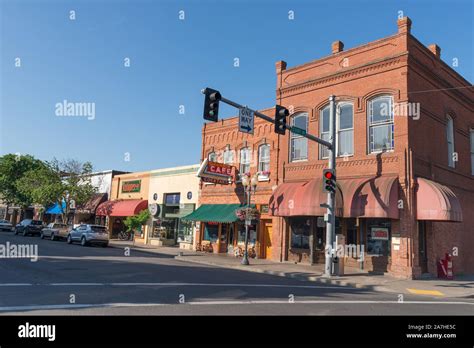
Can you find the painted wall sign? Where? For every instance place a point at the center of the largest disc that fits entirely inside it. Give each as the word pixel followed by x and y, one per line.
pixel 131 186
pixel 379 233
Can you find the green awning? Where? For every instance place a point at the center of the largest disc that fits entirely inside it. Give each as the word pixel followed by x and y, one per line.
pixel 214 213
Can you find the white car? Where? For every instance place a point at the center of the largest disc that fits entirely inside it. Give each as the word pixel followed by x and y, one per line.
pixel 89 234
pixel 5 225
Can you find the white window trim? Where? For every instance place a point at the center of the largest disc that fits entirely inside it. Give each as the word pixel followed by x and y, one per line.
pixel 338 129
pixel 297 136
pixel 262 177
pixel 228 151
pixel 249 159
pixel 384 123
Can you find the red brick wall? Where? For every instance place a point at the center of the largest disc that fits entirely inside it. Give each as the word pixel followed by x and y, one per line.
pixel 397 65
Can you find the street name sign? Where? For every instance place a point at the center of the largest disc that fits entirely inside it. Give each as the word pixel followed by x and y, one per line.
pixel 297 130
pixel 246 120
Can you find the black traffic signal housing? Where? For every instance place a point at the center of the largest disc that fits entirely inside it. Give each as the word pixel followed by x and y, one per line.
pixel 211 104
pixel 329 180
pixel 280 119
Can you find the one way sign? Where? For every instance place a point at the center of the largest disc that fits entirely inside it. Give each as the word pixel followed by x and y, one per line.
pixel 246 117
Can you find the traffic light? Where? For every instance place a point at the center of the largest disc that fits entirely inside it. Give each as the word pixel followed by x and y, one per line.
pixel 280 119
pixel 329 180
pixel 211 104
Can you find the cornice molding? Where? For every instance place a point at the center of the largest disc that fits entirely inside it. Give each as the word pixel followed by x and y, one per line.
pixel 345 74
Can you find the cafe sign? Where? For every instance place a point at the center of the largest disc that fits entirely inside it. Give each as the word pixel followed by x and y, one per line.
pixel 131 186
pixel 379 233
pixel 217 173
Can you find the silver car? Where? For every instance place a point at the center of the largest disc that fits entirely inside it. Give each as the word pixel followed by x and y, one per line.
pixel 5 225
pixel 89 234
pixel 55 230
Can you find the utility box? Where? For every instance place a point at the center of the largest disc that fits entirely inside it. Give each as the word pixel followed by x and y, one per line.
pixel 339 257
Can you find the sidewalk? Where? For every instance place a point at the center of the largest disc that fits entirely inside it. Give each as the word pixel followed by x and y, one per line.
pixel 461 287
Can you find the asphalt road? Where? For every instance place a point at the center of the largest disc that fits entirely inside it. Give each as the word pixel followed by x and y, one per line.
pixel 71 280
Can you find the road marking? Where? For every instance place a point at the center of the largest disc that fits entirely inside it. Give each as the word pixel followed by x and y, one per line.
pixel 182 284
pixel 213 302
pixel 426 292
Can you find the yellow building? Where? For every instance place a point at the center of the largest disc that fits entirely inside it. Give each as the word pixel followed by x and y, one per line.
pixel 129 196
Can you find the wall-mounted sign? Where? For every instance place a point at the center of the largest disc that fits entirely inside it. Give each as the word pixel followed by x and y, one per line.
pixel 155 196
pixel 379 233
pixel 215 172
pixel 131 186
pixel 189 195
pixel 154 209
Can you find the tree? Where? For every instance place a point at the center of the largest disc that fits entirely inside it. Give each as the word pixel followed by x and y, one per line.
pixel 66 183
pixel 13 168
pixel 134 223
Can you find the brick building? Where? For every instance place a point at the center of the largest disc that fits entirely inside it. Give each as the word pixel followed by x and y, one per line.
pixel 405 153
pixel 257 153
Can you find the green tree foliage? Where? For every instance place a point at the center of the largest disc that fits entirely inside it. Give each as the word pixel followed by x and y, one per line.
pixel 134 223
pixel 59 181
pixel 12 169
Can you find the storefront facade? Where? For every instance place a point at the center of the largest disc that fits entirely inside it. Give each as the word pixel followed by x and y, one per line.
pixel 403 200
pixel 129 196
pixel 218 228
pixel 173 194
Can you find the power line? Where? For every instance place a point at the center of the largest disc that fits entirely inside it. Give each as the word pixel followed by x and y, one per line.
pixel 440 89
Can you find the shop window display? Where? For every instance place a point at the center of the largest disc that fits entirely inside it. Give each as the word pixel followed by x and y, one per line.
pixel 300 232
pixel 378 237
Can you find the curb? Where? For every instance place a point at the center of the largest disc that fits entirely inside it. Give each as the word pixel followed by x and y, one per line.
pixel 142 250
pixel 316 279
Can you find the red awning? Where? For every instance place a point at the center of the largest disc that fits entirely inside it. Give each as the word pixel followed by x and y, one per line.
pixel 436 202
pixel 371 197
pixel 302 199
pixel 128 207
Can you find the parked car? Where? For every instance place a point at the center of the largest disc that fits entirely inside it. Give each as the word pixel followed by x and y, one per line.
pixel 89 234
pixel 29 226
pixel 5 225
pixel 55 230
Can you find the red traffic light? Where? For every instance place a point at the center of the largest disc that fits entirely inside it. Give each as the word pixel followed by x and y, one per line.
pixel 328 175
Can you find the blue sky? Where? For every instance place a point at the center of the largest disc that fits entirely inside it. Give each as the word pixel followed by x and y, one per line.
pixel 137 108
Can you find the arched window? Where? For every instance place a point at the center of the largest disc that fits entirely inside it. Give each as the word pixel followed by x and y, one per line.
pixel 380 123
pixel 245 158
pixel 298 143
pixel 450 141
pixel 228 156
pixel 344 130
pixel 212 157
pixel 264 159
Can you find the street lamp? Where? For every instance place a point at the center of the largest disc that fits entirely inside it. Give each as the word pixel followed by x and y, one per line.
pixel 249 184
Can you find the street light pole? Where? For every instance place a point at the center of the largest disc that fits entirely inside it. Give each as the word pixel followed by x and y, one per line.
pixel 245 259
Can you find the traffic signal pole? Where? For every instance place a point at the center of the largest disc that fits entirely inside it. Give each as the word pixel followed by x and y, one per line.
pixel 331 145
pixel 331 199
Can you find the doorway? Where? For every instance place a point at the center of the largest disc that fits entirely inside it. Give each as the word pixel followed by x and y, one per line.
pixel 268 229
pixel 422 252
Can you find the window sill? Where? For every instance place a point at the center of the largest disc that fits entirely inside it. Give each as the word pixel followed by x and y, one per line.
pixel 300 160
pixel 263 178
pixel 379 152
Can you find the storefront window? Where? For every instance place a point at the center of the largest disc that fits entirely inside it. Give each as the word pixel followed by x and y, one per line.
pixel 252 233
pixel 351 232
pixel 224 233
pixel 378 237
pixel 169 227
pixel 300 232
pixel 185 231
pixel 211 232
